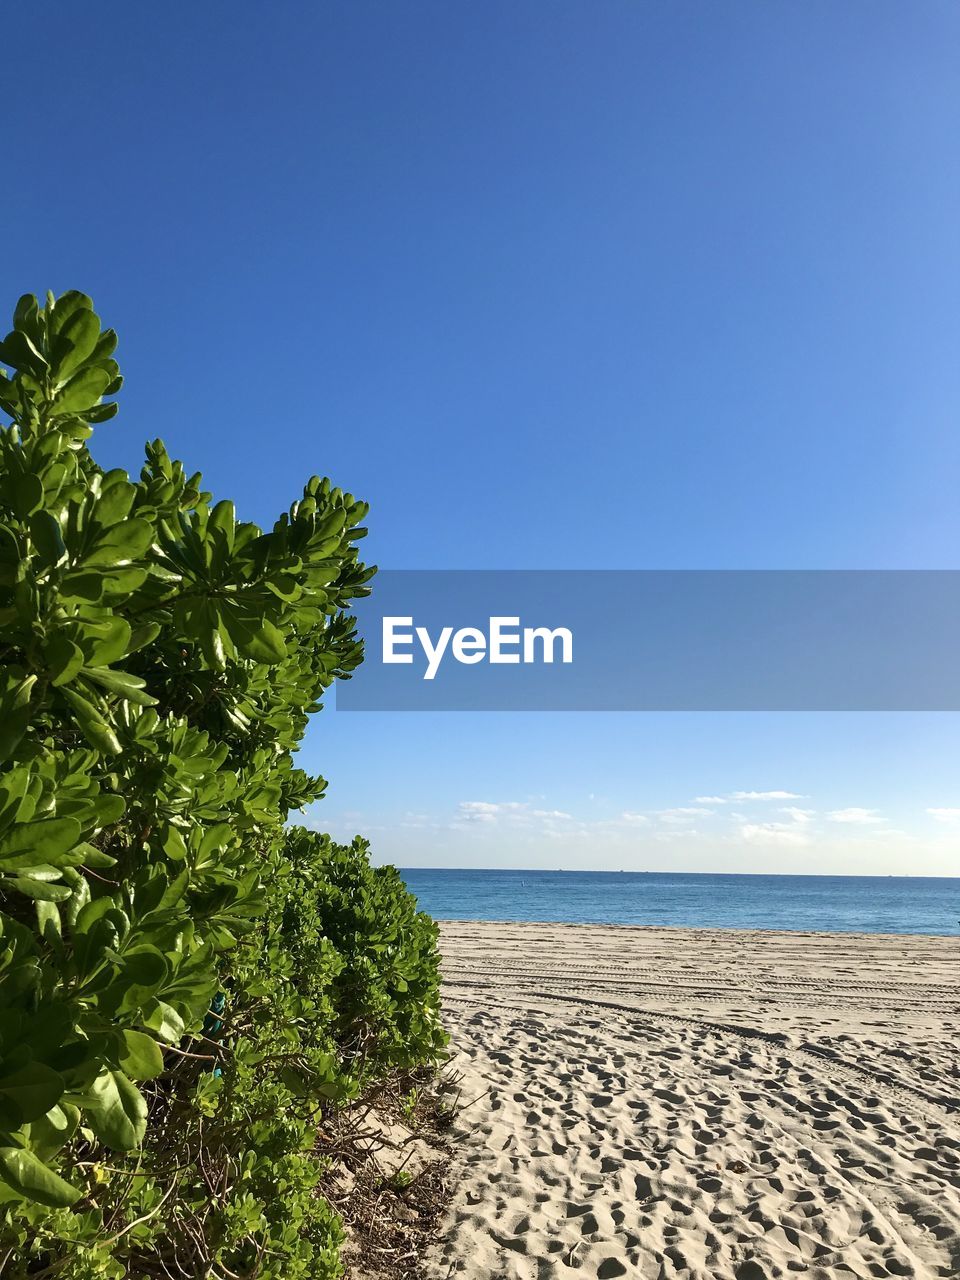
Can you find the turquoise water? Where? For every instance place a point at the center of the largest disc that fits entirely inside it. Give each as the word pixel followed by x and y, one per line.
pixel 858 904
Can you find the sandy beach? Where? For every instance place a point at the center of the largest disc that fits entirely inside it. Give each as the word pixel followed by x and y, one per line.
pixel 700 1103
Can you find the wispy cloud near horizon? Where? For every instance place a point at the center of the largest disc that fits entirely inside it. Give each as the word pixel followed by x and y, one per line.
pixel 945 815
pixel 774 833
pixel 733 797
pixel 856 816
pixel 757 835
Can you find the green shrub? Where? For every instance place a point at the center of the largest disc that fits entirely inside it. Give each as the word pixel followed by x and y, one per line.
pixel 182 992
pixel 379 988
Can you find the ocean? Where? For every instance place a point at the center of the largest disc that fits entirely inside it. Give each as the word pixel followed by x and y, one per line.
pixel 841 904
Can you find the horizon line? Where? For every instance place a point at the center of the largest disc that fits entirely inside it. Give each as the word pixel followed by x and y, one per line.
pixel 623 871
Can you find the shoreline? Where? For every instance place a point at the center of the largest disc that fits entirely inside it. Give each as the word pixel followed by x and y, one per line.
pixel 686 929
pixel 760 1104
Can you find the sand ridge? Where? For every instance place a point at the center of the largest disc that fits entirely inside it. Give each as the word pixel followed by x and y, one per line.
pixel 710 1104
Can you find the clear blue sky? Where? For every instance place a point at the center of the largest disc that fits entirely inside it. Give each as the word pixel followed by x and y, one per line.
pixel 558 285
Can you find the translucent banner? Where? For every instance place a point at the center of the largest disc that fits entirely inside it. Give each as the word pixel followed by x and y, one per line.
pixel 659 640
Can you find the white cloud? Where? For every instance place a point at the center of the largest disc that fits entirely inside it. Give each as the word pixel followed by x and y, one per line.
pixel 486 806
pixel 803 816
pixel 517 812
pixel 774 833
pixel 682 815
pixel 765 795
pixel 749 795
pixel 418 821
pixel 635 819
pixel 728 823
pixel 945 815
pixel 856 817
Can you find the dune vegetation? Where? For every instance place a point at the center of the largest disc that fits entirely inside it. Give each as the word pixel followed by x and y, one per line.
pixel 190 987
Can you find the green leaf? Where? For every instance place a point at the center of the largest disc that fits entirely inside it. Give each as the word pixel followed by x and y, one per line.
pixel 15 709
pixel 32 1179
pixel 47 539
pixel 224 517
pixel 144 967
pixel 39 890
pixel 91 913
pixel 47 1135
pixel 65 306
pixel 141 1058
pixel 173 845
pixel 115 502
pixel 105 642
pixel 214 839
pixel 259 640
pixel 82 392
pixel 33 1090
pixel 175 890
pixel 81 584
pixel 121 543
pixel 50 924
pixel 25 493
pixel 106 345
pixel 19 352
pixel 45 872
pixel 143 970
pixel 143 635
pixel 116 1110
pixel 104 412
pixel 96 858
pixel 128 686
pixel 92 724
pixel 11 555
pixel 26 312
pixel 165 1021
pixel 76 343
pixel 109 809
pixel 123 581
pixel 29 843
pixel 64 659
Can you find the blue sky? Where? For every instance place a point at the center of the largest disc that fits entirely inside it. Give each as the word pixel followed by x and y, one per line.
pixel 567 285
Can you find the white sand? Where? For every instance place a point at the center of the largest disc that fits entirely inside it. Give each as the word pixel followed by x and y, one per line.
pixel 706 1104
